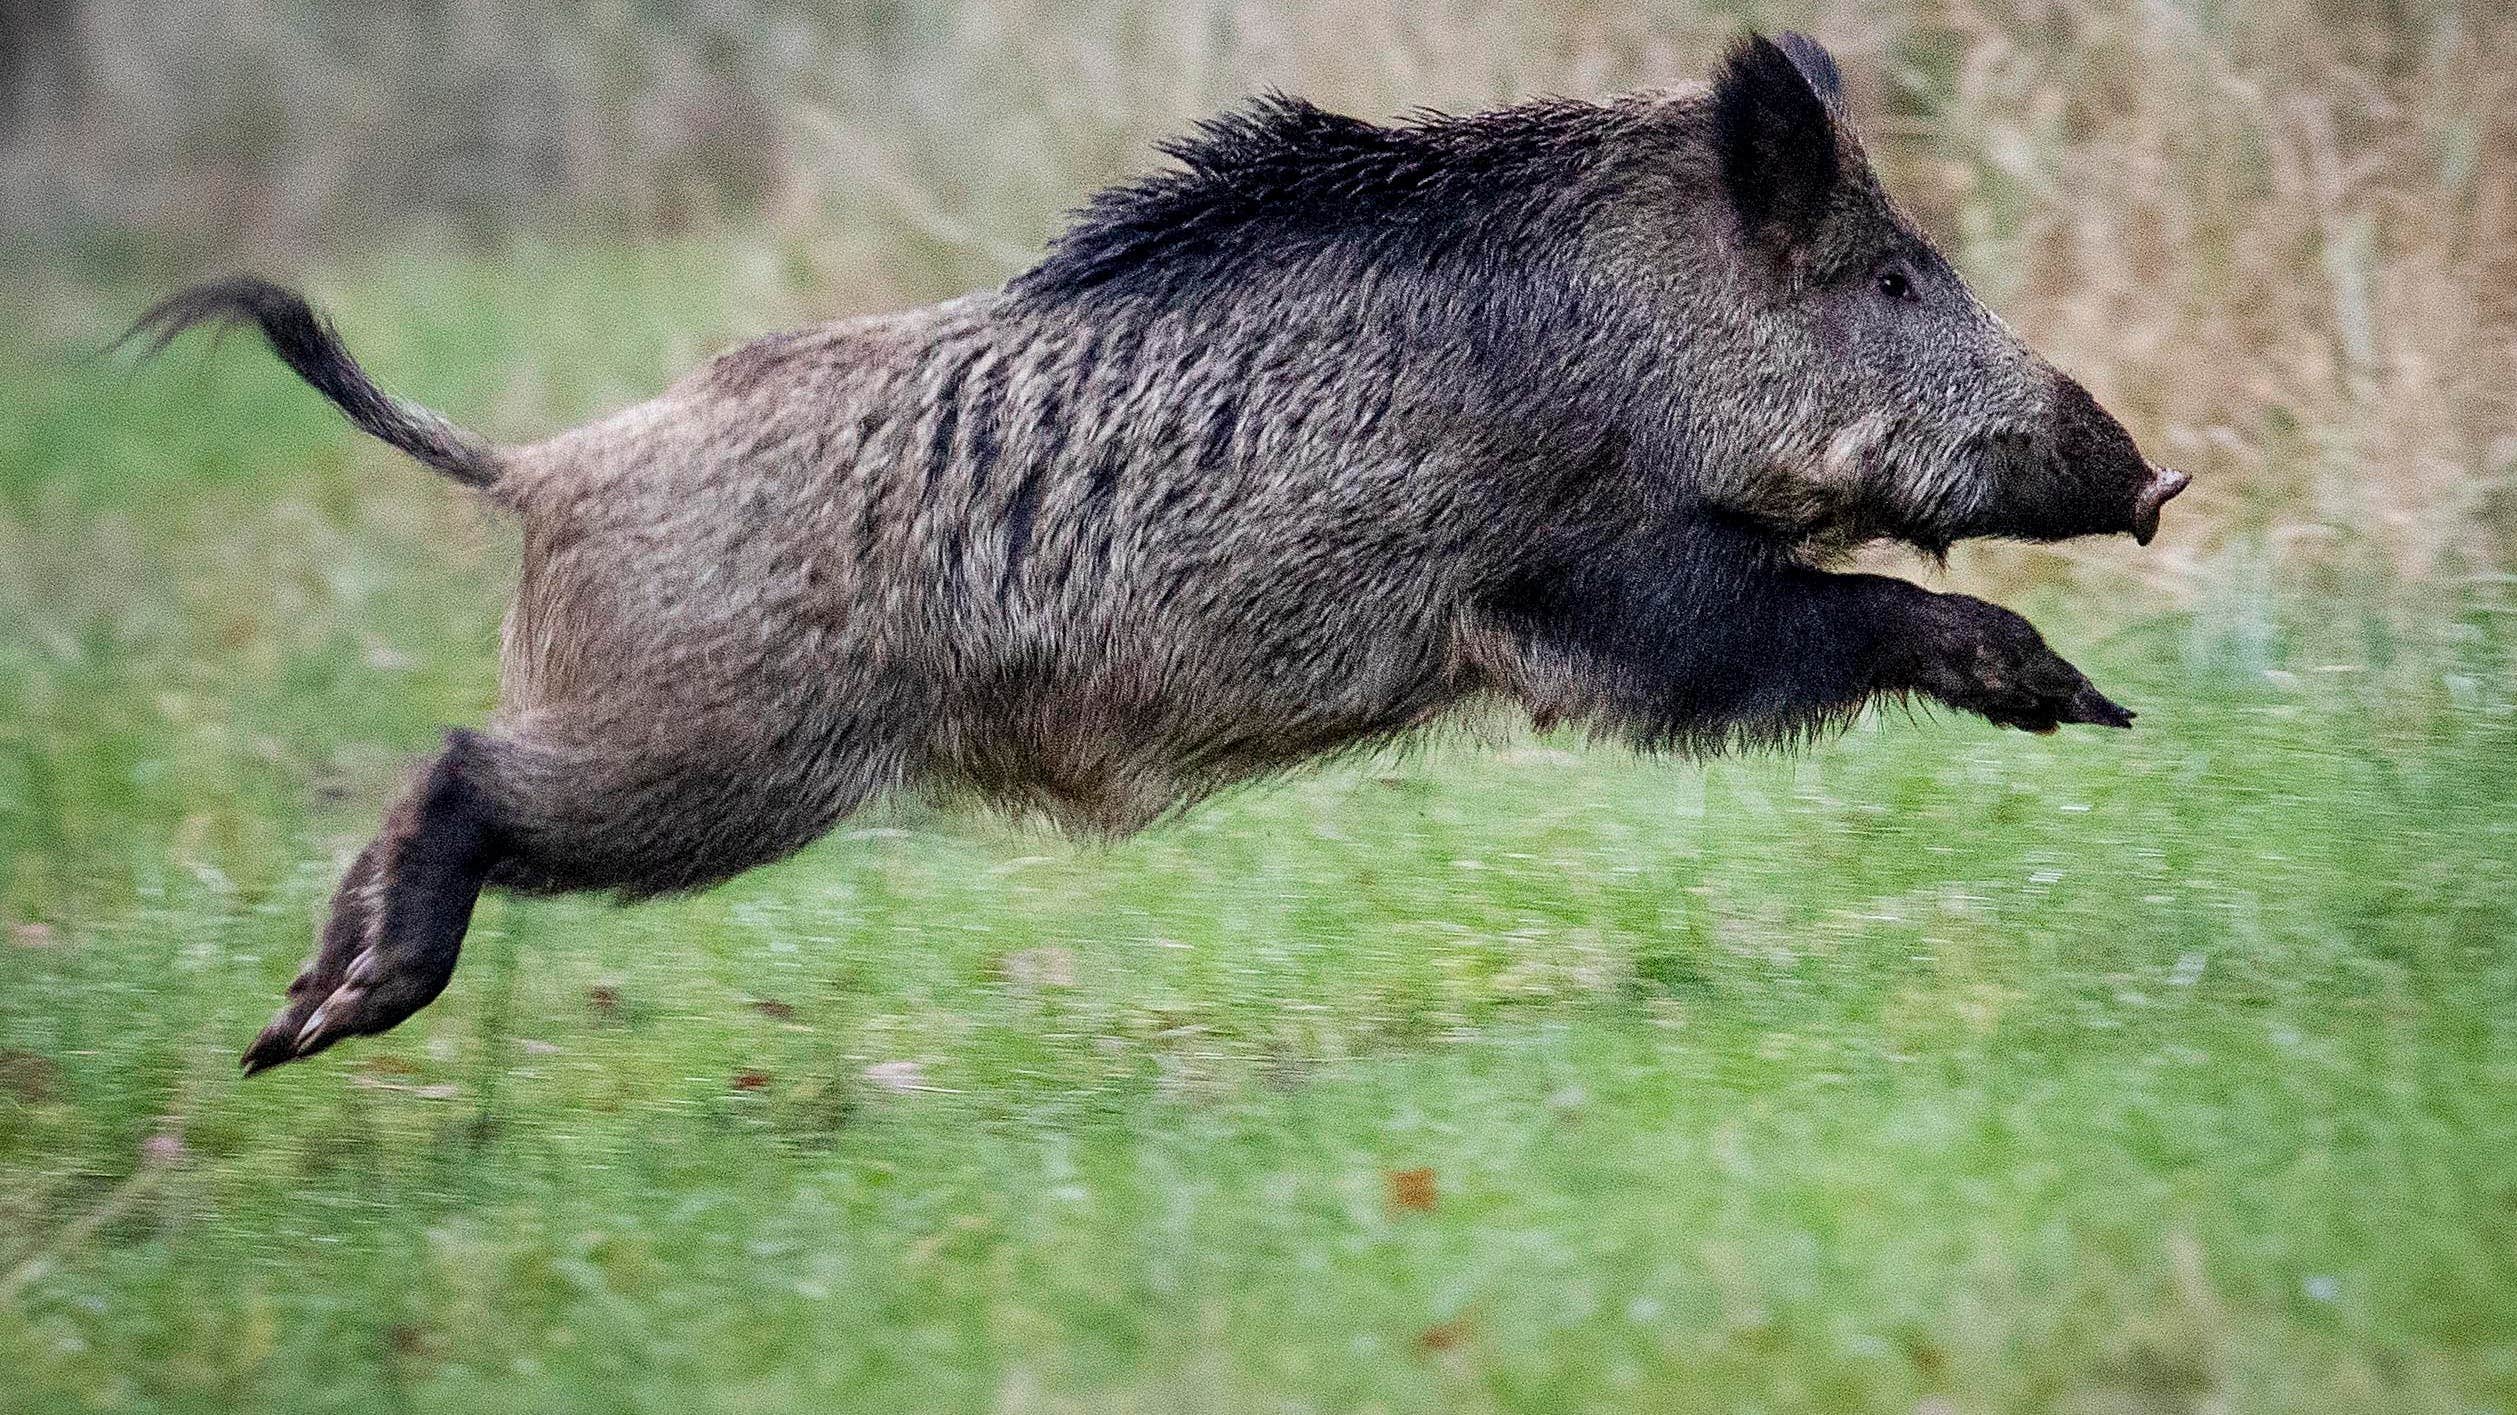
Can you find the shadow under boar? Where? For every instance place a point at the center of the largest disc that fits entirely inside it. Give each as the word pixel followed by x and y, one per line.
pixel 1325 431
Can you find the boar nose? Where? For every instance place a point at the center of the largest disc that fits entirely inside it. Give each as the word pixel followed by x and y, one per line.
pixel 2159 488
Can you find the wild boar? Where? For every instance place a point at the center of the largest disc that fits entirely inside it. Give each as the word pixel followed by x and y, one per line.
pixel 1327 430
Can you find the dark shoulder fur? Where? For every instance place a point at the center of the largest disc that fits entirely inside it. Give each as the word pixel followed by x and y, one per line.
pixel 1280 177
pixel 1700 634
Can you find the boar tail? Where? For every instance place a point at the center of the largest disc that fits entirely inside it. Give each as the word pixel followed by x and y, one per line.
pixel 308 344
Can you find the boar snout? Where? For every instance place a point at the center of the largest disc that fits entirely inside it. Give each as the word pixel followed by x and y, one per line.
pixel 2092 481
pixel 2157 490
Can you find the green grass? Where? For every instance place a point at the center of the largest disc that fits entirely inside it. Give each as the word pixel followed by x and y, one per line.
pixel 1939 1070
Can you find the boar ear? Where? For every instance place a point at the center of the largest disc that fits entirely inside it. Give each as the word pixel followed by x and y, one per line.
pixel 1817 69
pixel 1775 108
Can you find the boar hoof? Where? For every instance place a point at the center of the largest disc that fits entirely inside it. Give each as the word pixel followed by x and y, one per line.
pixel 397 920
pixel 1993 663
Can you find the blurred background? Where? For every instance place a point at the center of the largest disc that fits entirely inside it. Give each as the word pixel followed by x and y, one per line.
pixel 1939 1070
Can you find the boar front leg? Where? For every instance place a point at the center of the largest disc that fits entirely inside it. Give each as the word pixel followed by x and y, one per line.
pixel 1844 638
pixel 1702 636
pixel 1991 662
pixel 1821 643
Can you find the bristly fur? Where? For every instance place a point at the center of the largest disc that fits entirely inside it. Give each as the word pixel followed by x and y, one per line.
pixel 1278 177
pixel 1330 432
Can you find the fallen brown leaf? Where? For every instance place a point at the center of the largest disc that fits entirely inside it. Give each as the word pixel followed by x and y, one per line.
pixel 1410 1190
pixel 409 1339
pixel 1444 1336
pixel 30 1077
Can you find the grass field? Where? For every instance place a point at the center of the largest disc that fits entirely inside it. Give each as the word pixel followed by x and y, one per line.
pixel 1941 1070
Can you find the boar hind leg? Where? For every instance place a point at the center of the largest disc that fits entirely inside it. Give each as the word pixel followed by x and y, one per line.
pixel 579 809
pixel 398 916
pixel 553 807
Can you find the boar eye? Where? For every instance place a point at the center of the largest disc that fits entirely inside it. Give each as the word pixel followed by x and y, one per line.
pixel 1894 284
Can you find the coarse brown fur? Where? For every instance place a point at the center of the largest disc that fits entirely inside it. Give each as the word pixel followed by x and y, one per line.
pixel 1302 445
